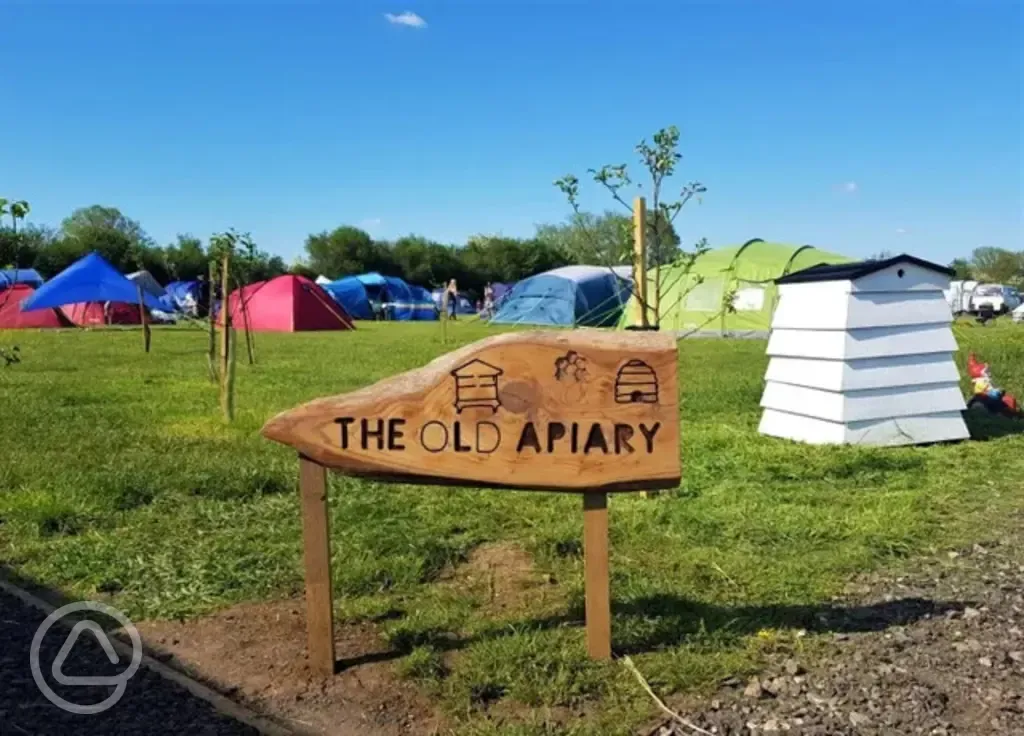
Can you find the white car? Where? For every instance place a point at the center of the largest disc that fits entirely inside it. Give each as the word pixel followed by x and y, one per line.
pixel 998 298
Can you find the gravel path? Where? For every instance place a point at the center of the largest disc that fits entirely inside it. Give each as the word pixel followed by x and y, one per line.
pixel 948 662
pixel 151 705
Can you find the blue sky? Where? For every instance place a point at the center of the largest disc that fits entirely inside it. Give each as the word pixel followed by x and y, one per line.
pixel 856 126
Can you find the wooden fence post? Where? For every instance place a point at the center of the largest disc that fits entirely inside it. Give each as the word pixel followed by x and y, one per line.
pixel 595 562
pixel 144 317
pixel 211 353
pixel 316 536
pixel 640 317
pixel 226 374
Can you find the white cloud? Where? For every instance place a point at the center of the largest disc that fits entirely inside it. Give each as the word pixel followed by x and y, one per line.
pixel 901 231
pixel 408 18
pixel 850 187
pixel 368 223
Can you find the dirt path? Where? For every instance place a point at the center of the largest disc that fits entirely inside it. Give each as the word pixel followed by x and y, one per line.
pixel 150 705
pixel 937 650
pixel 945 659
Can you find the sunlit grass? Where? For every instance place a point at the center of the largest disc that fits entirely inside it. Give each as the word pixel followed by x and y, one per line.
pixel 120 479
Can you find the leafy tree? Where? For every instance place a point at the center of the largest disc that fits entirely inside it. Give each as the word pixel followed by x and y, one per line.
pixel 24 249
pixel 998 265
pixel 962 269
pixel 422 261
pixel 46 251
pixel 267 266
pixel 607 239
pixel 489 258
pixel 85 220
pixel 106 230
pixel 659 161
pixel 300 268
pixel 186 259
pixel 19 211
pixel 12 248
pixel 346 250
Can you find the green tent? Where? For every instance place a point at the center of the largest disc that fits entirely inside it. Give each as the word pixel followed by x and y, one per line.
pixel 694 300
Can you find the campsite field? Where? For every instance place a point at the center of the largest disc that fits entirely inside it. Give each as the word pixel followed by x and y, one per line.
pixel 120 481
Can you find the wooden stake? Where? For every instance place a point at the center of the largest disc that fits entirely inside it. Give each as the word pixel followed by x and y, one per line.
pixel 145 319
pixel 640 317
pixel 250 343
pixel 595 560
pixel 317 553
pixel 226 382
pixel 444 316
pixel 212 351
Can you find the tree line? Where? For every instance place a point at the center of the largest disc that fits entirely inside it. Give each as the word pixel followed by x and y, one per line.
pixel 597 239
pixel 119 239
pixel 994 265
pixel 585 238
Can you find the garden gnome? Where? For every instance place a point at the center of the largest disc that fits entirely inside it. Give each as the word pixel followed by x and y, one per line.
pixel 994 399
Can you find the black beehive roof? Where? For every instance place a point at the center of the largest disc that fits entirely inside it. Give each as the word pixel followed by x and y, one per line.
pixel 856 270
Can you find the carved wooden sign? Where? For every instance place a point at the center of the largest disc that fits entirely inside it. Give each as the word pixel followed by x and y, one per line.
pixel 577 411
pixel 589 412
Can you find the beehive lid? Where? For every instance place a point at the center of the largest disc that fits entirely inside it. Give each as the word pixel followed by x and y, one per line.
pixel 857 270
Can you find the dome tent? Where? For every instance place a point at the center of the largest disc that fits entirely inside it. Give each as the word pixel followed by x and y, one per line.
pixel 12 318
pixel 188 297
pixel 693 300
pixel 571 296
pixel 149 284
pixel 356 294
pixel 25 276
pixel 397 299
pixel 351 294
pixel 423 309
pixel 287 303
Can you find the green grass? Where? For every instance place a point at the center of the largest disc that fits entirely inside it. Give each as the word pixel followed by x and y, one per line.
pixel 120 480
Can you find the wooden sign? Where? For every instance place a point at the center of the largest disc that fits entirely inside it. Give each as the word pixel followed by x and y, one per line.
pixel 580 411
pixel 585 412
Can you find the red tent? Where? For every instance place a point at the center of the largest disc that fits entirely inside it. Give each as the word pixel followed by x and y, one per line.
pixel 12 318
pixel 91 314
pixel 287 303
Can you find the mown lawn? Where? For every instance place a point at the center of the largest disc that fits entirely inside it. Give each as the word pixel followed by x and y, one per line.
pixel 119 479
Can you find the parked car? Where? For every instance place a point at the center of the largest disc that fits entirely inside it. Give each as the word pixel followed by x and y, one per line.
pixel 1000 299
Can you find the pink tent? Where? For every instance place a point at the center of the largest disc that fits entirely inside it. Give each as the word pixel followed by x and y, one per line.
pixel 12 318
pixel 287 303
pixel 91 314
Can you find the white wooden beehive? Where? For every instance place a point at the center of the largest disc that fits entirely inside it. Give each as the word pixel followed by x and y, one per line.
pixel 862 353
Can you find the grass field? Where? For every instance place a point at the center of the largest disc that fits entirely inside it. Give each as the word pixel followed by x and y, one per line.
pixel 120 480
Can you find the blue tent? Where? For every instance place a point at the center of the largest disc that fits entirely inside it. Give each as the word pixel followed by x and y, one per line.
pixel 423 309
pixel 585 296
pixel 12 276
pixel 89 279
pixel 464 306
pixel 357 293
pixel 182 295
pixel 372 279
pixel 397 298
pixel 350 293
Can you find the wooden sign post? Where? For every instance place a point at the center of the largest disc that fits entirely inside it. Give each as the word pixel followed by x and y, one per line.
pixel 583 412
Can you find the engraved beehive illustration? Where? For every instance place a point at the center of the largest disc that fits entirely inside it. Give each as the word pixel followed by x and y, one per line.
pixel 636 383
pixel 476 385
